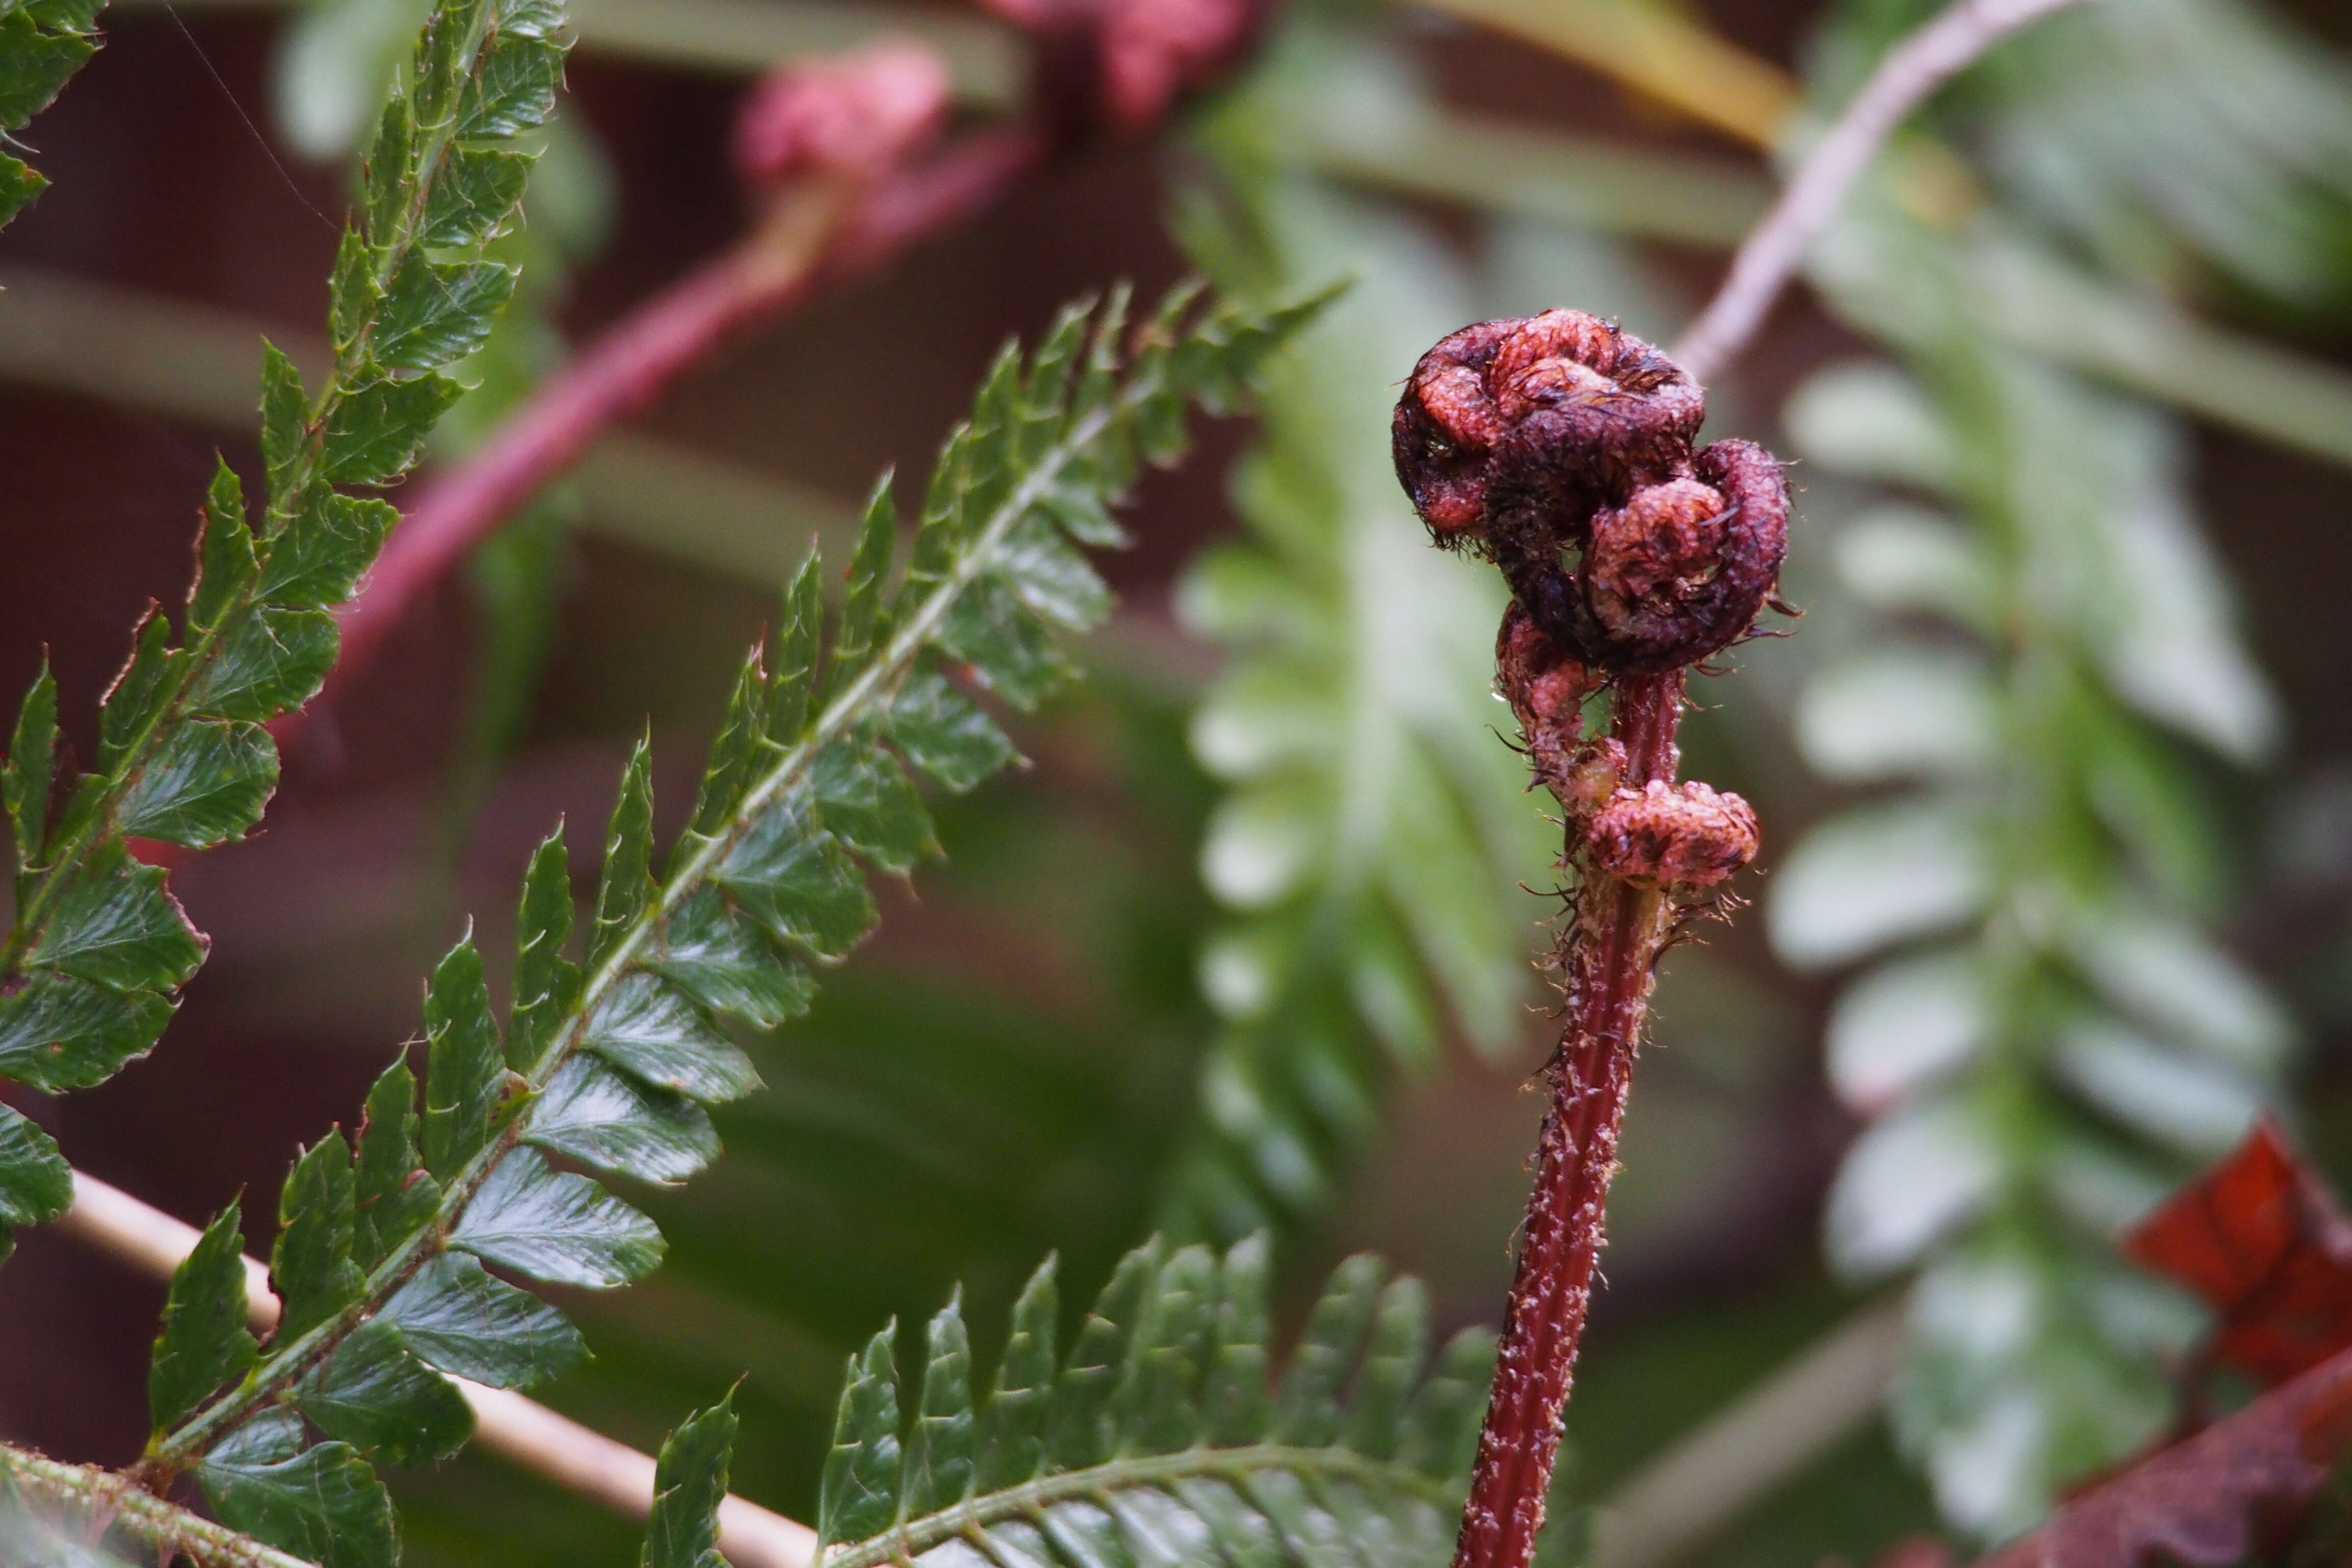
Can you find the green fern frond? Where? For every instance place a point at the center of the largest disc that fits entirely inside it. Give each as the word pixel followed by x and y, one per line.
pixel 90 968
pixel 42 44
pixel 1160 1437
pixel 2042 1036
pixel 1373 836
pixel 609 1062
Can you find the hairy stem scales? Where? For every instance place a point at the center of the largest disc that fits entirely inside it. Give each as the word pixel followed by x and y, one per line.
pixel 1610 954
pixel 1561 448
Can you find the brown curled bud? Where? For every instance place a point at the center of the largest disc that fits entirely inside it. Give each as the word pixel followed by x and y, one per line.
pixel 1671 839
pixel 859 116
pixel 1560 446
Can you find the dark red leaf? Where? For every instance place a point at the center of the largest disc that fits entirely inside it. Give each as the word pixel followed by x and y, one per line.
pixel 2241 1483
pixel 2260 1237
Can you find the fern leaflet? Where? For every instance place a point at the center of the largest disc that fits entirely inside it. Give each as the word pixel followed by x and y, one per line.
pixel 1160 1438
pixel 609 1062
pixel 99 948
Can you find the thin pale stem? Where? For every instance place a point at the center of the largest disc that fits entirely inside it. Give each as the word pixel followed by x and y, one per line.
pixel 1769 257
pixel 811 239
pixel 1611 951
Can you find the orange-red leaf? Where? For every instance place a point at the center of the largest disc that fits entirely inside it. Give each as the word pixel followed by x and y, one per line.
pixel 2261 1239
pixel 2241 1483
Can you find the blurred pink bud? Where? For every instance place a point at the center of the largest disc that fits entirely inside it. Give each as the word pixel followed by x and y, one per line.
pixel 858 115
pixel 1143 54
pixel 1154 50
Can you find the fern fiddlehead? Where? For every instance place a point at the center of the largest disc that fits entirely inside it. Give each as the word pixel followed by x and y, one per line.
pixel 98 948
pixel 1560 448
pixel 609 1062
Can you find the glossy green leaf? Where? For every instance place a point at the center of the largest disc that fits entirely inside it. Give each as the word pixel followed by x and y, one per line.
pixel 1158 1405
pixel 946 733
pixel 715 955
pixel 546 982
pixel 869 805
pixel 861 1471
pixel 323 1503
pixel 310 1268
pixel 798 633
pixel 515 88
pixel 861 610
pixel 791 875
pixel 648 1030
pixel 628 858
pixel 941 1446
pixel 466 1062
pixel 612 1069
pixel 392 1197
pixel 459 1317
pixel 475 198
pixel 1394 1358
pixel 205 785
pixel 1079 1418
pixel 1162 1490
pixel 25 774
pixel 740 747
pixel 1440 1435
pixel 136 698
pixel 205 1343
pixel 269 659
pixel 435 311
pixel 316 562
pixel 35 1184
pixel 375 431
pixel 283 410
pixel 58 1031
pixel 224 559
pixel 1013 1420
pixel 611 1122
pixel 1327 1354
pixel 556 1227
pixel 1012 651
pixel 35 62
pixel 375 1394
pixel 20 183
pixel 1234 1405
pixel 117 925
pixel 1053 579
pixel 689 1483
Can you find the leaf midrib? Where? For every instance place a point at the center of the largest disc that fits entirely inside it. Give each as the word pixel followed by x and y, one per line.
pixel 198 1435
pixel 195 655
pixel 903 1541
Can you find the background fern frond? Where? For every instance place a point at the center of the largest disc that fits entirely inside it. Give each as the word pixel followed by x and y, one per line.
pixel 1160 1437
pixel 612 1061
pixel 98 948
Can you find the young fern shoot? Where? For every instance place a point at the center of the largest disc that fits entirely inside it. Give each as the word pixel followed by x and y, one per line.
pixel 1560 449
pixel 92 963
pixel 609 1062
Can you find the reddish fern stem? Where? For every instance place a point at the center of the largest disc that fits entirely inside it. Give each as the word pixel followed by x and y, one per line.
pixel 777 269
pixel 1610 952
